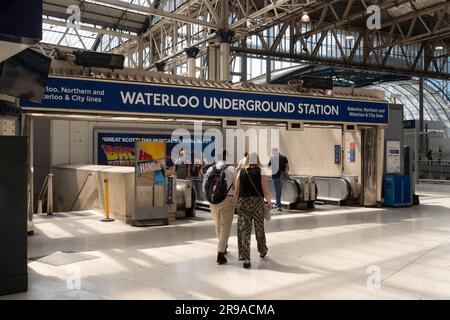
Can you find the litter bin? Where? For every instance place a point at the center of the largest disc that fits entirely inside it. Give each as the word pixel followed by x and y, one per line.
pixel 397 191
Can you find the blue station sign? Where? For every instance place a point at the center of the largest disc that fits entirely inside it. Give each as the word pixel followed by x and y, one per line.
pixel 76 94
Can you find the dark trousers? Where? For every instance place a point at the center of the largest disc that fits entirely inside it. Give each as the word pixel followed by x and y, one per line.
pixel 278 185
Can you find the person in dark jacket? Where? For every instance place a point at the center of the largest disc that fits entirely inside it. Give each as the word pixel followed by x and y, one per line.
pixel 280 167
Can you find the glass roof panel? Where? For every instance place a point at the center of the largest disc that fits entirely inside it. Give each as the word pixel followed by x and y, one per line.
pixel 407 93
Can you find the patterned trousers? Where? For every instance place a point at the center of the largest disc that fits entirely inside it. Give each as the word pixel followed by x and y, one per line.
pixel 251 211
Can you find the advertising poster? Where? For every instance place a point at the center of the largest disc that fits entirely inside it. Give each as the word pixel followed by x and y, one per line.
pixel 352 152
pixel 118 148
pixel 393 156
pixel 150 164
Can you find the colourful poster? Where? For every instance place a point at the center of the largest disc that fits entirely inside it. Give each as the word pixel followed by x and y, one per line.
pixel 352 153
pixel 151 161
pixel 118 148
pixel 150 166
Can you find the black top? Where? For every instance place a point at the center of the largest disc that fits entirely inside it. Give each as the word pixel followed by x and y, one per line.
pixel 246 187
pixel 278 162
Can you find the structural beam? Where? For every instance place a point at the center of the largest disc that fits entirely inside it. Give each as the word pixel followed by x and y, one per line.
pixel 83 27
pixel 158 12
pixel 320 60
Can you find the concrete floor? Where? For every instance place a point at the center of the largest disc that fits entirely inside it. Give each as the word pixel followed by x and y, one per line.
pixel 327 253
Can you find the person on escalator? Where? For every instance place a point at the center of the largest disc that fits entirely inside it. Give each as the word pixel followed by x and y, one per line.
pixel 280 173
pixel 182 166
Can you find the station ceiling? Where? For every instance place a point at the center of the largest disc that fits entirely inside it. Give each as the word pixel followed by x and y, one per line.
pixel 414 38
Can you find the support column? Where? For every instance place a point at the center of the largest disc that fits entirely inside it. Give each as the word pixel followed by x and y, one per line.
pixel 379 163
pixel 225 37
pixel 268 71
pixel 140 49
pixel 422 150
pixel 224 61
pixel 244 62
pixel 212 63
pixel 191 54
pixel 150 49
pixel 30 127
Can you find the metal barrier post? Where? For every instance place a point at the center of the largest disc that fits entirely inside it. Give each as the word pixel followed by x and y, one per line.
pixel 50 194
pixel 39 210
pixel 107 218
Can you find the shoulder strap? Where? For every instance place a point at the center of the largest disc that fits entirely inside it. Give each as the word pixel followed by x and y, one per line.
pixel 222 171
pixel 253 184
pixel 232 182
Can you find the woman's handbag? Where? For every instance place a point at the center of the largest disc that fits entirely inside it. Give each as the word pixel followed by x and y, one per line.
pixel 267 215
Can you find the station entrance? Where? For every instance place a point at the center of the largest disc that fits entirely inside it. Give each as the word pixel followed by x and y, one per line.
pixel 84 132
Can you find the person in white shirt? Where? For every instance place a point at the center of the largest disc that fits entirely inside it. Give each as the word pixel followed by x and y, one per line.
pixel 223 212
pixel 182 166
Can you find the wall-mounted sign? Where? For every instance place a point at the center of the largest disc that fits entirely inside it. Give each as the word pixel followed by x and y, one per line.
pixel 337 154
pixel 75 94
pixel 393 156
pixel 352 152
pixel 409 124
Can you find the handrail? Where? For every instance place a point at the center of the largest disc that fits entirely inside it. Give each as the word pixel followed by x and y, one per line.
pixel 434 181
pixel 41 193
pixel 81 189
pixel 346 183
pixel 434 162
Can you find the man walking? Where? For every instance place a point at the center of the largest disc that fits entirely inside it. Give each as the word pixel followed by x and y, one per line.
pixel 280 168
pixel 218 185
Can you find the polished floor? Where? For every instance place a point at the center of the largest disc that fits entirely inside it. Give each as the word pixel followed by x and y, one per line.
pixel 326 253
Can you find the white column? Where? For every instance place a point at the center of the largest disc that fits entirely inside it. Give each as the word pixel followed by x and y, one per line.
pixel 224 61
pixel 140 49
pixel 191 67
pixel 212 63
pixel 379 161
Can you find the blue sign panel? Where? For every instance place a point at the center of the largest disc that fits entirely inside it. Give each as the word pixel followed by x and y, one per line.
pixel 409 124
pixel 337 154
pixel 100 95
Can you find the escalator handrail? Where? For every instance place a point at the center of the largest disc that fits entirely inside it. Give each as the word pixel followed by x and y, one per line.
pixel 347 183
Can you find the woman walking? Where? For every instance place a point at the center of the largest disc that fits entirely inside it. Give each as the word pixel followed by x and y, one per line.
pixel 251 186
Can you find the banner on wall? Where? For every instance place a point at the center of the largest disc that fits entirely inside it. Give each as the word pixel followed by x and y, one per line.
pixel 118 148
pixel 393 156
pixel 352 152
pixel 72 94
pixel 150 203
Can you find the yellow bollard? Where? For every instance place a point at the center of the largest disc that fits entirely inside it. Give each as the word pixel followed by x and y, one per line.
pixel 107 218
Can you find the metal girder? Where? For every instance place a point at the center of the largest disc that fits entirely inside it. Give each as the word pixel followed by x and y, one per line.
pixel 159 13
pixel 90 29
pixel 96 14
pixel 308 58
pixel 253 16
pixel 342 21
pixel 403 45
